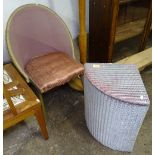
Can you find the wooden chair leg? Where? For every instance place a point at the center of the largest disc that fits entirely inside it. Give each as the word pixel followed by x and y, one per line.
pixel 42 103
pixel 41 121
pixel 40 96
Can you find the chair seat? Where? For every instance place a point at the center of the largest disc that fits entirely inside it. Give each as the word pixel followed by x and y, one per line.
pixel 52 70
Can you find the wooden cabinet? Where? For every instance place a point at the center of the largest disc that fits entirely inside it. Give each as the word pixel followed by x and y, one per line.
pixel 131 18
pixel 113 21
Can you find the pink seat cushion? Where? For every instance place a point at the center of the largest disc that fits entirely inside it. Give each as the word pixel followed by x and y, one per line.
pixel 52 70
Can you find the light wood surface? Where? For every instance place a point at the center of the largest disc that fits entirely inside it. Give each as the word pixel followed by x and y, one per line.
pixel 83 34
pixel 76 84
pixel 126 1
pixel 30 107
pixel 141 59
pixel 129 30
pixel 7 96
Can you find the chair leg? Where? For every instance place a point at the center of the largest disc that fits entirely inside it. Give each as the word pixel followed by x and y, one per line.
pixel 40 96
pixel 41 121
pixel 42 103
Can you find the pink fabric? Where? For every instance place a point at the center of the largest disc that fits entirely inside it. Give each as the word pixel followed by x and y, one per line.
pixel 52 70
pixel 34 31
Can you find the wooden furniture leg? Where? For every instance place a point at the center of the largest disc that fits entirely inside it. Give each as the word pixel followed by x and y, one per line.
pixel 115 6
pixel 40 96
pixel 41 121
pixel 42 103
pixel 76 83
pixel 146 30
pixel 83 34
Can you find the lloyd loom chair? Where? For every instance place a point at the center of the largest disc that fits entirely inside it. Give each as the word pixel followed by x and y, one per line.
pixel 41 47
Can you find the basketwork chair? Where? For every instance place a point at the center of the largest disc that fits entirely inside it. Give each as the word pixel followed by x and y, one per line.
pixel 41 47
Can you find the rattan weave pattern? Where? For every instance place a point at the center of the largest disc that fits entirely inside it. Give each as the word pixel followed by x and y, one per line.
pixel 113 120
pixel 119 81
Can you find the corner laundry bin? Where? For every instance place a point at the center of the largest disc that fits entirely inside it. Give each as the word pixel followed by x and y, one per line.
pixel 116 103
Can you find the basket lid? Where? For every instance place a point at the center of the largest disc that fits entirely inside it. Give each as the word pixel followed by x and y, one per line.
pixel 121 81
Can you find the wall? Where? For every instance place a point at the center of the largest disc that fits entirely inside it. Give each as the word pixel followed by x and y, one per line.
pixel 67 9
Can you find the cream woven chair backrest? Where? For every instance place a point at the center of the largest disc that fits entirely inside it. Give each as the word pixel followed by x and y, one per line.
pixel 35 30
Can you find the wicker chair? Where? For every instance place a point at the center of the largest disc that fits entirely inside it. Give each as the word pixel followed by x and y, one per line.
pixel 41 47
